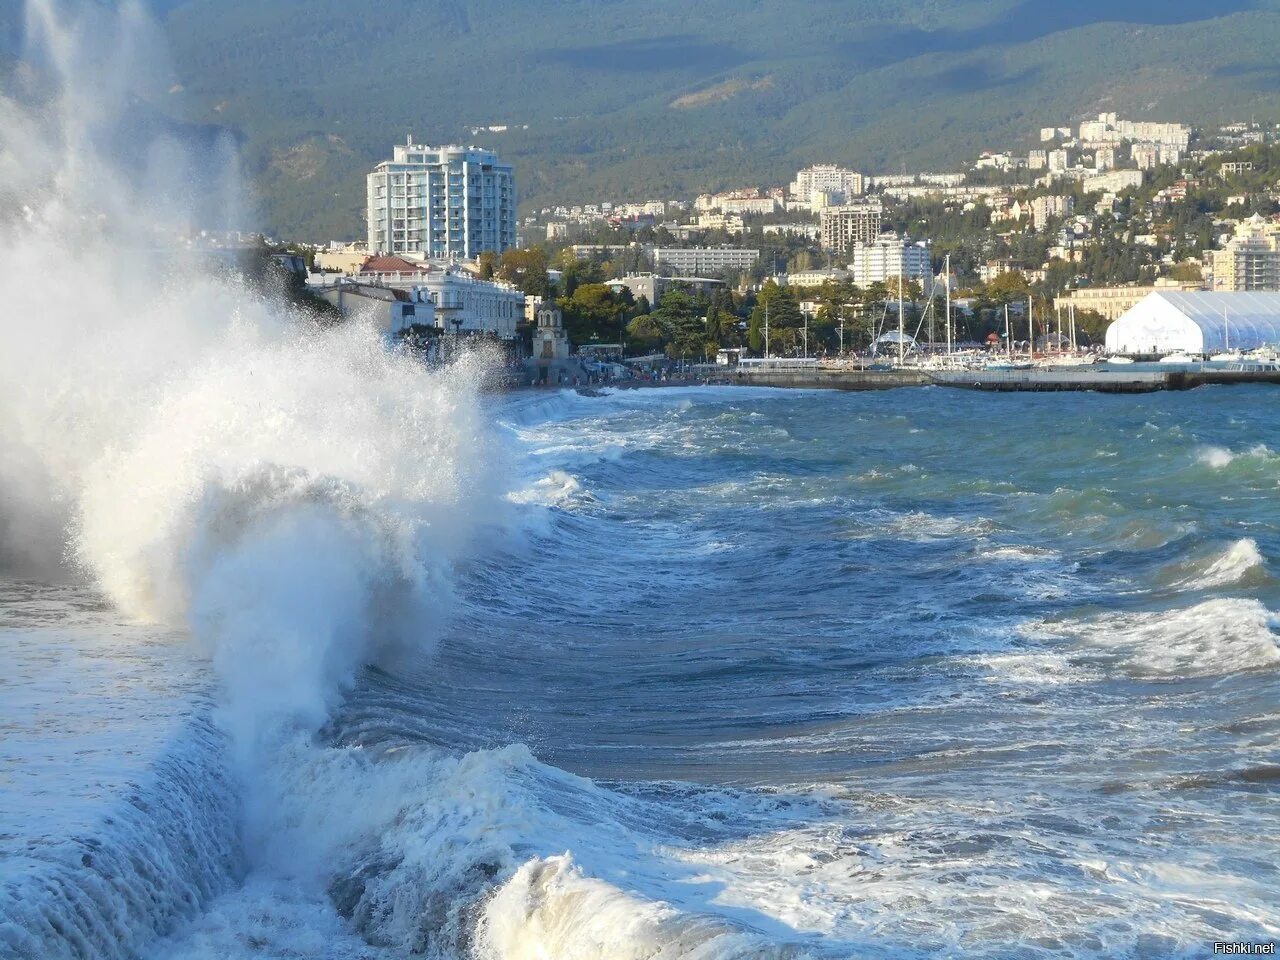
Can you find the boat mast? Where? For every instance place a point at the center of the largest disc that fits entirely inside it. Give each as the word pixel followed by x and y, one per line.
pixel 1226 330
pixel 1071 309
pixel 1008 332
pixel 766 329
pixel 946 280
pixel 901 322
pixel 1031 330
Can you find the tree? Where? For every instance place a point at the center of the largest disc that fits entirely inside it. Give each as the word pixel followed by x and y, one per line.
pixel 682 328
pixel 783 315
pixel 596 312
pixel 1008 287
pixel 525 269
pixel 755 332
pixel 645 331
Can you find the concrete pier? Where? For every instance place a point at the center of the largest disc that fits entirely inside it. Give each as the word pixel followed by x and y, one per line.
pixel 1113 380
pixel 830 378
pixel 1097 379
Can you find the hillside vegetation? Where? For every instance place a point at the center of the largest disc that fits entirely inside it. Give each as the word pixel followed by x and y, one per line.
pixel 664 97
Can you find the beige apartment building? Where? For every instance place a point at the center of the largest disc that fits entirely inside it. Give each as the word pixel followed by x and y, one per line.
pixel 844 226
pixel 1113 302
pixel 1251 259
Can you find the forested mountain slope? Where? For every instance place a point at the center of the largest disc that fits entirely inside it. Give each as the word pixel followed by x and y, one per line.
pixel 662 97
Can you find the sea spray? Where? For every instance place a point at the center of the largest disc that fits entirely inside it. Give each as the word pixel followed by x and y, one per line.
pixel 208 457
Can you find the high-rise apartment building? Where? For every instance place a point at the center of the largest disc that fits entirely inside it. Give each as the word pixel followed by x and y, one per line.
pixel 842 227
pixel 441 203
pixel 829 179
pixel 887 258
pixel 1250 260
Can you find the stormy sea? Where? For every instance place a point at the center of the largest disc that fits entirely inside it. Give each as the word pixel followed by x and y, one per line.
pixel 311 652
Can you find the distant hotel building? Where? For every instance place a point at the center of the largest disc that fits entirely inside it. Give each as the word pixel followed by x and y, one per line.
pixel 1109 128
pixel 441 203
pixel 1251 259
pixel 1116 181
pixel 703 261
pixel 852 223
pixel 887 258
pixel 825 178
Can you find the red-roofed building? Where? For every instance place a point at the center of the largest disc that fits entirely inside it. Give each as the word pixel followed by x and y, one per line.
pixel 384 264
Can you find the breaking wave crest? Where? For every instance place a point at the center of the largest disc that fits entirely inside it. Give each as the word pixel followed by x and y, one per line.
pixel 291 495
pixel 1240 563
pixel 1213 638
pixel 297 499
pixel 1220 457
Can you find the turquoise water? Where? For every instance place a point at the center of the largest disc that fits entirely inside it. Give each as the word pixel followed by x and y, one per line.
pixel 1016 652
pixel 753 673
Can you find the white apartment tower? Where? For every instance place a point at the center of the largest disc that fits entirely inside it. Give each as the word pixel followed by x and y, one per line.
pixel 441 203
pixel 1251 260
pixel 827 178
pixel 887 258
pixel 842 227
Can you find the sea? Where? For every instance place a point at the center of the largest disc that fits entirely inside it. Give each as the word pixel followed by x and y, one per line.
pixel 689 672
pixel 311 652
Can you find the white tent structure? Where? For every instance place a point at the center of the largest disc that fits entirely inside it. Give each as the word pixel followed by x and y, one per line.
pixel 1197 322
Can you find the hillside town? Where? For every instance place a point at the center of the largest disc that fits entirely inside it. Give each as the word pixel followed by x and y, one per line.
pixel 1089 219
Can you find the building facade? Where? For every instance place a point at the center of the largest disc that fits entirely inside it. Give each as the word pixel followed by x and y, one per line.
pixel 653 288
pixel 1045 210
pixel 703 261
pixel 888 258
pixel 842 227
pixel 444 298
pixel 829 179
pixel 1117 181
pixel 1113 302
pixel 1251 259
pixel 441 203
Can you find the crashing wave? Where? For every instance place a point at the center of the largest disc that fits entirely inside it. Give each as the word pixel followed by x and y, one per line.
pixel 1213 638
pixel 1239 563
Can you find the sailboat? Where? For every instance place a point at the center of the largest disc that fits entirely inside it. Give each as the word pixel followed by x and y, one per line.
pixel 1227 355
pixel 1008 364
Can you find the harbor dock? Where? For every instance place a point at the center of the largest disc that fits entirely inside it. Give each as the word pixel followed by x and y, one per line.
pixel 1099 378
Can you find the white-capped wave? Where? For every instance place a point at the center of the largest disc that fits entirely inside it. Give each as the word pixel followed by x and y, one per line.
pixel 1236 564
pixel 293 495
pixel 556 489
pixel 1218 458
pixel 491 854
pixel 1212 638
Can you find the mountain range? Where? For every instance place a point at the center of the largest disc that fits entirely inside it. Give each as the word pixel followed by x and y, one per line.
pixel 637 99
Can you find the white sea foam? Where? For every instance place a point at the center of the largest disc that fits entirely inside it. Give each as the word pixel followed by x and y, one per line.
pixel 1234 565
pixel 292 496
pixel 1215 457
pixel 1212 638
pixel 557 488
pixel 1218 458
